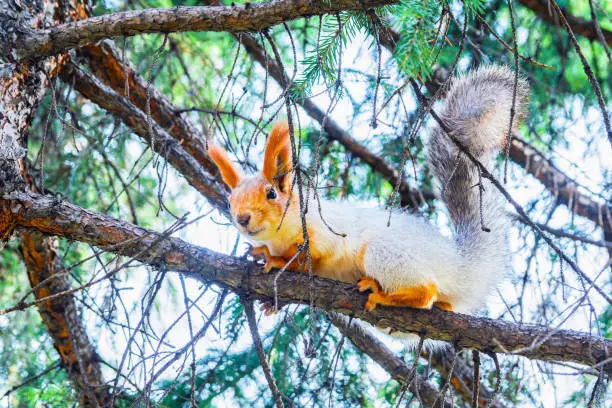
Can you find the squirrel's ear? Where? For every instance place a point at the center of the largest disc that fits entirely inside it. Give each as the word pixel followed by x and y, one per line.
pixel 277 158
pixel 229 172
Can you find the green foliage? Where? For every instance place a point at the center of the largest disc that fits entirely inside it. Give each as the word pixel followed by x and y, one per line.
pixel 417 24
pixel 321 63
pixel 19 337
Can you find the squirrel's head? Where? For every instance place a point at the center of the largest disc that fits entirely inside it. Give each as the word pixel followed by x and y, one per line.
pixel 258 202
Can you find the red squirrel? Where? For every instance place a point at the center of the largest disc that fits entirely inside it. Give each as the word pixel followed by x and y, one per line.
pixel 409 263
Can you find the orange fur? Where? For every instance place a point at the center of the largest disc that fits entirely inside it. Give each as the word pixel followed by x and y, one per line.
pixel 287 260
pixel 277 157
pixel 366 284
pixel 229 172
pixel 418 296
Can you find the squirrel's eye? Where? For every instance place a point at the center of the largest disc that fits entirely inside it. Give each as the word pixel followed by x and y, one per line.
pixel 271 194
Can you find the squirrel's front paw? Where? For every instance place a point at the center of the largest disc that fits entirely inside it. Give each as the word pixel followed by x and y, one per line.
pixel 262 252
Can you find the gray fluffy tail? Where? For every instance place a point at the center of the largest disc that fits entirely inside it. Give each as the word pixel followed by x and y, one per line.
pixel 477 110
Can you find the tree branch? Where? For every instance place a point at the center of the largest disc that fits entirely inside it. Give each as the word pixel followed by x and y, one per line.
pixel 235 18
pixel 561 186
pixel 579 25
pixel 252 322
pixel 395 366
pixel 160 141
pixel 53 216
pixel 60 315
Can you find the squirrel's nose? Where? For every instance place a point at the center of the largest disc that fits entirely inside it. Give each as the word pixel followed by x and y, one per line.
pixel 243 219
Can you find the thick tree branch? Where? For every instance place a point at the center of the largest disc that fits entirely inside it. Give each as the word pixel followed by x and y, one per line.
pixel 53 216
pixel 60 315
pixel 235 18
pixel 585 28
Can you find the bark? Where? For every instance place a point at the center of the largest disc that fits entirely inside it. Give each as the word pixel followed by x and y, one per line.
pixel 23 84
pixel 585 28
pixel 235 18
pixel 61 317
pixel 53 216
pixel 151 133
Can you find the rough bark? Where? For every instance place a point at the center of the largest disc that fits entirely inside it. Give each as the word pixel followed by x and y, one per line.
pixel 585 28
pixel 235 18
pixel 23 85
pixel 53 216
pixel 61 317
pixel 151 133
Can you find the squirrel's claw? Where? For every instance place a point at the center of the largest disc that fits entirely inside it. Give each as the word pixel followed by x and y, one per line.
pixel 262 252
pixel 268 266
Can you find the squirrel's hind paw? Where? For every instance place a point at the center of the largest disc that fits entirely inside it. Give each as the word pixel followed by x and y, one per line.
pixel 418 296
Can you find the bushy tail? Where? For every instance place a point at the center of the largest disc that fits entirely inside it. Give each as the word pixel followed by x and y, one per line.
pixel 477 110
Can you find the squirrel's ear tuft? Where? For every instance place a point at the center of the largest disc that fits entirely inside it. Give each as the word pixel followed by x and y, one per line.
pixel 229 172
pixel 277 158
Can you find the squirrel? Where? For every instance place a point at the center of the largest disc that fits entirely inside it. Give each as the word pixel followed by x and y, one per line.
pixel 408 263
